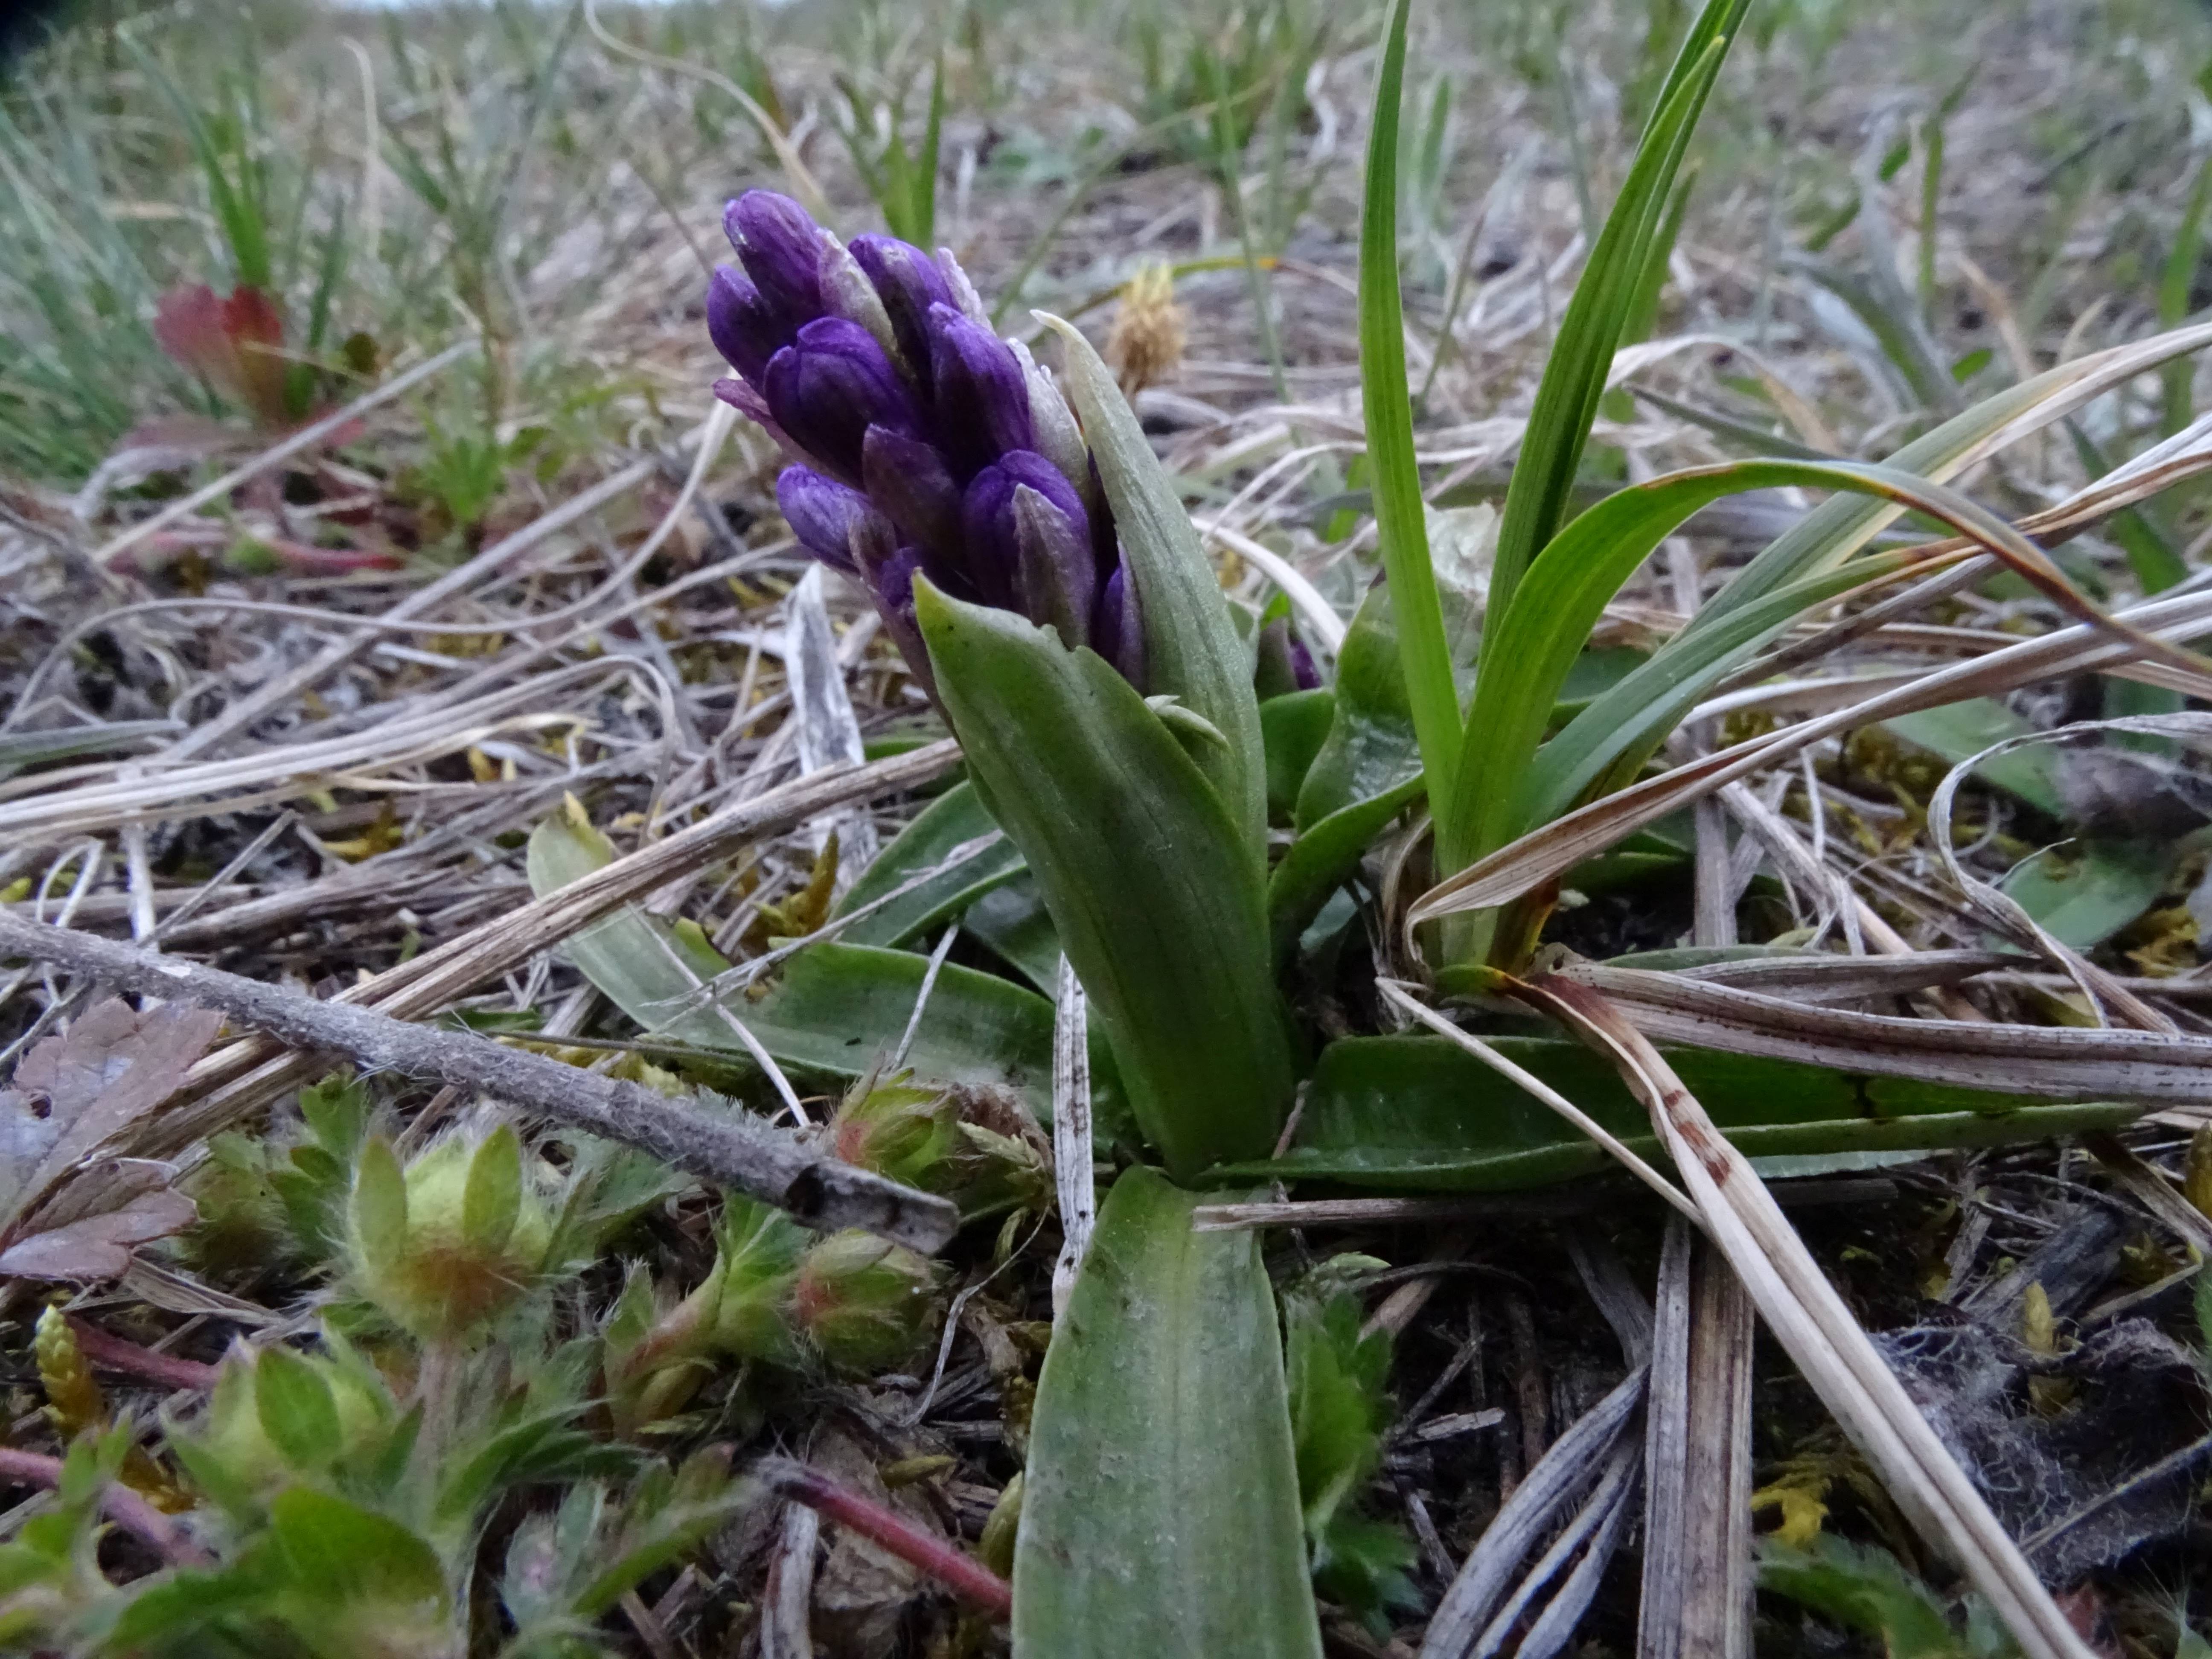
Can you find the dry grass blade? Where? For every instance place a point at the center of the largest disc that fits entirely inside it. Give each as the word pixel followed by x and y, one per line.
pixel 1071 1156
pixel 2051 1062
pixel 237 1078
pixel 1810 1320
pixel 1543 855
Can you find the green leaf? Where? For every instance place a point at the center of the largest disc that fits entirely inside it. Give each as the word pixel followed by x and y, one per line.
pixel 492 1198
pixel 1604 299
pixel 1293 728
pixel 1421 1113
pixel 1013 922
pixel 1400 522
pixel 954 819
pixel 297 1411
pixel 1323 859
pixel 379 1204
pixel 1531 644
pixel 1157 896
pixel 832 1008
pixel 1864 1587
pixel 2082 895
pixel 1192 648
pixel 1370 749
pixel 343 1553
pixel 1160 1514
pixel 1958 731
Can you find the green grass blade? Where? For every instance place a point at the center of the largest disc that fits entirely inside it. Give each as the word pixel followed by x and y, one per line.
pixel 1161 1516
pixel 1536 641
pixel 2176 282
pixel 1400 516
pixel 923 201
pixel 1574 377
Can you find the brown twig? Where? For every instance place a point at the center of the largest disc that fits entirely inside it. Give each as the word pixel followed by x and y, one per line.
pixel 114 1353
pixel 958 1572
pixel 122 1505
pixel 743 1153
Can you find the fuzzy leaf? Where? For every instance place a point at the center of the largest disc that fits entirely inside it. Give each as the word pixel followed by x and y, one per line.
pixel 295 1407
pixel 1160 1508
pixel 492 1200
pixel 1157 896
pixel 379 1204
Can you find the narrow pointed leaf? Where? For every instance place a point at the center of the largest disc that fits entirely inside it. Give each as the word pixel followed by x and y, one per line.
pixel 1160 1515
pixel 954 819
pixel 1400 522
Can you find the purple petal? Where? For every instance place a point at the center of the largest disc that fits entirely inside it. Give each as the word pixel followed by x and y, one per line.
pixel 991 530
pixel 828 518
pixel 982 401
pixel 829 387
pixel 781 246
pixel 1117 631
pixel 746 329
pixel 892 589
pixel 1055 576
pixel 909 480
pixel 908 283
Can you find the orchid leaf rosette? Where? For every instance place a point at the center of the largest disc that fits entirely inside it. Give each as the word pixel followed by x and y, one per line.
pixel 1031 557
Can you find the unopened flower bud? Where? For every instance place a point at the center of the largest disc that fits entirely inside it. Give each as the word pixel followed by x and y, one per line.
pixel 982 401
pixel 828 386
pixel 743 326
pixel 1029 542
pixel 908 283
pixel 825 515
pixel 455 1241
pixel 781 246
pixel 862 1302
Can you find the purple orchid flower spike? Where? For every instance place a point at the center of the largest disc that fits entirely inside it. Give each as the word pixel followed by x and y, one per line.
pixel 923 442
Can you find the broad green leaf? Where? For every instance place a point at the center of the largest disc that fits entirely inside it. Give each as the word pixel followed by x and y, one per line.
pixel 1959 731
pixel 346 1553
pixel 1400 522
pixel 1864 1587
pixel 1420 1113
pixel 1157 896
pixel 1293 727
pixel 2082 895
pixel 1602 307
pixel 954 820
pixel 1012 920
pixel 832 1008
pixel 491 1198
pixel 1192 649
pixel 296 1407
pixel 1160 1514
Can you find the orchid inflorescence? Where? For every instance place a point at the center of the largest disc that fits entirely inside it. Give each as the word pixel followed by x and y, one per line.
pixel 926 443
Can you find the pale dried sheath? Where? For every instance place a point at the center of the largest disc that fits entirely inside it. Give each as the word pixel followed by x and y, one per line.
pixel 1071 1133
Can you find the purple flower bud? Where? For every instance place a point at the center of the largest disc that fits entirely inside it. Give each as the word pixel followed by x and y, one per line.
pixel 746 329
pixel 907 281
pixel 982 401
pixel 781 246
pixel 892 589
pixel 909 480
pixel 829 387
pixel 832 522
pixel 1047 580
pixel 1117 631
pixel 1282 663
pixel 744 397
